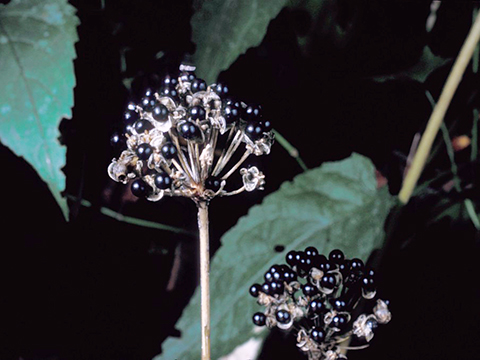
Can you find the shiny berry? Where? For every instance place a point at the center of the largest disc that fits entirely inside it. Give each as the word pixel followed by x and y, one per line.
pixel 266 289
pixel 197 112
pixel 198 85
pixel 290 258
pixel 252 112
pixel 255 290
pixel 344 267
pixel 117 140
pixel 160 112
pixel 267 125
pixel 170 81
pixel 339 304
pixel 311 251
pixel 213 183
pixel 231 111
pixel 254 130
pixel 142 126
pixel 169 91
pixel 268 276
pixel 144 151
pixel 339 321
pixel 328 281
pixel 168 150
pixel 368 283
pixel 283 316
pixel 336 256
pixel 190 131
pixel 309 289
pixel 325 265
pixel 277 287
pixel 356 264
pixel 163 181
pixel 140 188
pixel 259 319
pixel 130 116
pixel 148 103
pixel 220 89
pixel 317 335
pixel 316 306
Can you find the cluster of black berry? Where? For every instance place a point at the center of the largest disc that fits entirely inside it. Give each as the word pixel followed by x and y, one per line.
pixel 179 139
pixel 320 298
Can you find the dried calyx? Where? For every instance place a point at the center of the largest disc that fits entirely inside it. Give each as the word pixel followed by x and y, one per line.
pixel 326 301
pixel 187 139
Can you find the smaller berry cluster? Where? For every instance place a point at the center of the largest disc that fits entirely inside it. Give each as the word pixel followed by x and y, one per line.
pixel 179 139
pixel 320 298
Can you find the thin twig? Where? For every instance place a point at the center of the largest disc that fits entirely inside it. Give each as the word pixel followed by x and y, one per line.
pixel 290 149
pixel 438 113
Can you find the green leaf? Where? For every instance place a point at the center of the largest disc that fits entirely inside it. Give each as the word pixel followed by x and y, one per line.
pixel 334 206
pixel 223 30
pixel 36 56
pixel 427 63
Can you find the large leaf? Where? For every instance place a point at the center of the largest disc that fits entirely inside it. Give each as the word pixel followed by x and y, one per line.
pixel 223 30
pixel 36 68
pixel 334 206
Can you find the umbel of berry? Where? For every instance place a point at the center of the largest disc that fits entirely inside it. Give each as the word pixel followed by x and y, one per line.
pixel 323 299
pixel 187 139
pixel 195 134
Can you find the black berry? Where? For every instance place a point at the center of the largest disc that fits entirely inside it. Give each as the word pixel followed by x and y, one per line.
pixel 197 112
pixel 140 188
pixel 328 282
pixel 255 290
pixel 252 112
pixel 130 116
pixel 144 151
pixel 266 289
pixel 368 283
pixel 309 289
pixel 190 131
pixel 160 112
pixel 254 130
pixel 316 306
pixel 220 89
pixel 142 126
pixel 339 321
pixel 339 304
pixel 317 335
pixel 283 316
pixel 168 150
pixel 187 76
pixel 163 181
pixel 356 264
pixel 336 256
pixel 117 140
pixel 169 81
pixel 148 103
pixel 259 319
pixel 290 258
pixel 311 251
pixel 277 287
pixel 231 111
pixel 170 91
pixel 198 85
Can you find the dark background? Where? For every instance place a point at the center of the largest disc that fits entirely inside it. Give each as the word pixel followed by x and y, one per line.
pixel 96 288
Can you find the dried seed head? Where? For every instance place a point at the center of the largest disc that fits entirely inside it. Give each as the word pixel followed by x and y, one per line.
pixel 193 133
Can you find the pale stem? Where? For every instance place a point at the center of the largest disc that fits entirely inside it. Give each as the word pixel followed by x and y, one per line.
pixel 220 159
pixel 231 150
pixel 236 192
pixel 235 167
pixel 182 158
pixel 193 162
pixel 204 277
pixel 438 113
